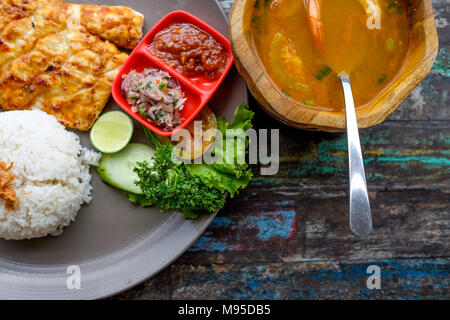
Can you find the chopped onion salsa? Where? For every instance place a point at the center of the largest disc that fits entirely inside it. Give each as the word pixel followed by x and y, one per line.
pixel 156 96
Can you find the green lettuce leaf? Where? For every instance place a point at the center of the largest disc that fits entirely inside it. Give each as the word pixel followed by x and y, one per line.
pixel 228 177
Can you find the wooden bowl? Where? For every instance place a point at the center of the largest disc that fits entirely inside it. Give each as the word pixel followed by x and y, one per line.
pixel 423 42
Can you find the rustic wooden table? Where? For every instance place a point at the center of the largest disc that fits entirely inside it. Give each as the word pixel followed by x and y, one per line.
pixel 287 236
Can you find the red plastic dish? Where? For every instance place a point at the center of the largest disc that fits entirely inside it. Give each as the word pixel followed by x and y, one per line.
pixel 198 91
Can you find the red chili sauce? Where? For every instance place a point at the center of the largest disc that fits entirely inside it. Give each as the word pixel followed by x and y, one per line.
pixel 190 50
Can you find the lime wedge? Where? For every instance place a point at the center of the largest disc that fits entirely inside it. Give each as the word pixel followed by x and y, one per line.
pixel 111 132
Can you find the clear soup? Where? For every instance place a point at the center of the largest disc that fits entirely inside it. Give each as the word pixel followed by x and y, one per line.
pixel 304 44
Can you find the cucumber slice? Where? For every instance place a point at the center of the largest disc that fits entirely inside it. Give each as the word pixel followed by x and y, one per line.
pixel 117 169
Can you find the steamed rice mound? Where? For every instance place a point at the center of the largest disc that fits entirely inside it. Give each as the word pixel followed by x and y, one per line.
pixel 52 174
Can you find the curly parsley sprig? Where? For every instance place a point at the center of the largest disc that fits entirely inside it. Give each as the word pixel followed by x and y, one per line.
pixel 173 187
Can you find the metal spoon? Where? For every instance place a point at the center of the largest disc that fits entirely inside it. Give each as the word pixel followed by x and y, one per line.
pixel 360 216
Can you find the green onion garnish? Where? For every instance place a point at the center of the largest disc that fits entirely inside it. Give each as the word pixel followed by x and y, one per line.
pixel 323 73
pixel 285 93
pixel 390 44
pixel 132 95
pixel 400 9
pixel 148 85
pixel 309 102
pixel 162 85
pixel 174 101
pixel 382 78
pixel 391 5
pixel 142 111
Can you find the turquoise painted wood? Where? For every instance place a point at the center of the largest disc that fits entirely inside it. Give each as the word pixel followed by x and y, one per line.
pixel 287 236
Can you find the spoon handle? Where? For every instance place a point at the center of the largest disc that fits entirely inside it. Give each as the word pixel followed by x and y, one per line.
pixel 360 217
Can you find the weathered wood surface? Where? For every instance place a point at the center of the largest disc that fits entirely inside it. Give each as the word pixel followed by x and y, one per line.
pixel 287 236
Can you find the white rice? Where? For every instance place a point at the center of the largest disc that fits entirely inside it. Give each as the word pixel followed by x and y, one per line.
pixel 52 174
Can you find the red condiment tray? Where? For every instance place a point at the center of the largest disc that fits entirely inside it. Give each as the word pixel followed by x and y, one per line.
pixel 198 91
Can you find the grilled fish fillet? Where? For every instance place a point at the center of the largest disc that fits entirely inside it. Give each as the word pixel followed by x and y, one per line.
pixel 62 57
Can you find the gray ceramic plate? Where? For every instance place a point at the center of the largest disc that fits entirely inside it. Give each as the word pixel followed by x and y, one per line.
pixel 115 244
